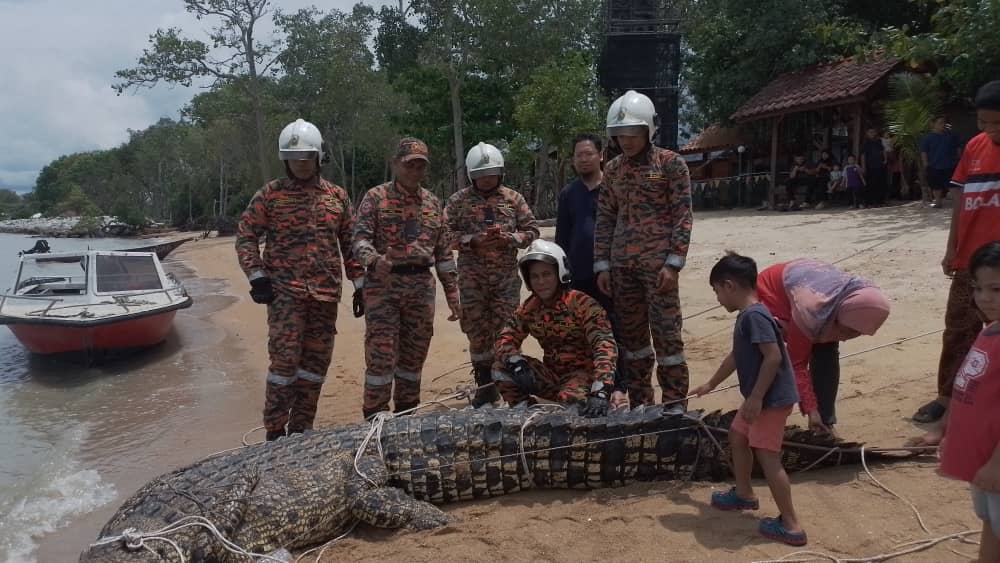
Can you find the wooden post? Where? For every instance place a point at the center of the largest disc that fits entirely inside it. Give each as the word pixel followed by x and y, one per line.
pixel 774 163
pixel 856 132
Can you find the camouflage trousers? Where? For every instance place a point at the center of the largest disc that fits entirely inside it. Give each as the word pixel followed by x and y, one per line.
pixel 399 323
pixel 488 303
pixel 564 388
pixel 300 335
pixel 642 311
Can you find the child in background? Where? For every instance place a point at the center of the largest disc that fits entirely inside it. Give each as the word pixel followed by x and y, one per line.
pixel 970 449
pixel 767 383
pixel 836 182
pixel 854 180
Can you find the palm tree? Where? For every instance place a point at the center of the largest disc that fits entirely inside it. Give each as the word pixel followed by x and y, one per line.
pixel 913 104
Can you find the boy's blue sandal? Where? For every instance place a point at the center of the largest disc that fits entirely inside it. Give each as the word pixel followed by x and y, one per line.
pixel 729 500
pixel 774 528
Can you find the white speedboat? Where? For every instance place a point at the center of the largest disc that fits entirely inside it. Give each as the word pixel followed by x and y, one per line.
pixel 91 301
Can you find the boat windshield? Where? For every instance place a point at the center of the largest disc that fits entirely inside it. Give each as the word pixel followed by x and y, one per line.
pixel 127 273
pixel 53 275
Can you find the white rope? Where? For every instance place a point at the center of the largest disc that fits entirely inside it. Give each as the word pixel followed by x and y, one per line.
pixel 249 432
pixel 378 421
pixel 912 547
pixel 893 343
pixel 820 460
pixel 135 539
pixel 322 548
pixel 916 512
pixel 374 433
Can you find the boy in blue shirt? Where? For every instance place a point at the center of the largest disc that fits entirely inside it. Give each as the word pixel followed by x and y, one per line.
pixel 767 383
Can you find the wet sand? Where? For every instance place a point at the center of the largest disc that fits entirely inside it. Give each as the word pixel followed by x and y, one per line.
pixel 844 513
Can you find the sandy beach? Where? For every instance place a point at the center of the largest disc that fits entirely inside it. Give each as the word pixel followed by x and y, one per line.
pixel 844 513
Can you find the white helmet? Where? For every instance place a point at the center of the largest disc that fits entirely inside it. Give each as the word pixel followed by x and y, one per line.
pixel 629 113
pixel 300 140
pixel 484 160
pixel 548 252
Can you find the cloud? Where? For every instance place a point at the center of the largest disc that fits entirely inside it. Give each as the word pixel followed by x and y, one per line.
pixel 58 66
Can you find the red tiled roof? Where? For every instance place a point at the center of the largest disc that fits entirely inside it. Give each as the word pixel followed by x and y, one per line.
pixel 817 86
pixel 713 138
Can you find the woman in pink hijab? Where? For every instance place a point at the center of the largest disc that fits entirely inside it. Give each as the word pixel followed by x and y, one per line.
pixel 819 305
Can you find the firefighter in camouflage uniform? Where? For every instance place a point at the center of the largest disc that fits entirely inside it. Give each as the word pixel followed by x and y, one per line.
pixel 573 330
pixel 307 226
pixel 488 222
pixel 640 246
pixel 400 235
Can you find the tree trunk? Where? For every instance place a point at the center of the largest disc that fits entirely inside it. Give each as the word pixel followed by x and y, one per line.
pixel 258 116
pixel 454 86
pixel 341 163
pixel 541 171
pixel 354 161
pixel 222 194
pixel 254 88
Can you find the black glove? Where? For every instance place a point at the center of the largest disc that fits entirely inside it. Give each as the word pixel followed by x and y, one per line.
pixel 359 303
pixel 598 401
pixel 262 291
pixel 522 375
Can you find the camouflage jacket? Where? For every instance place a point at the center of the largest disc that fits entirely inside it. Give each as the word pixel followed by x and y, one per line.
pixel 575 335
pixel 470 213
pixel 644 216
pixel 301 226
pixel 407 229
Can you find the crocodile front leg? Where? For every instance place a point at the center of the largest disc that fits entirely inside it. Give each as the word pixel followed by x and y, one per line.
pixel 388 507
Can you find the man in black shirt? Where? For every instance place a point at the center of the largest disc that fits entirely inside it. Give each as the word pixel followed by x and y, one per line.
pixel 575 228
pixel 873 161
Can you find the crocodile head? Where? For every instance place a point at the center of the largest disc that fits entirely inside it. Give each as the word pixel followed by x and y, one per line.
pixel 152 532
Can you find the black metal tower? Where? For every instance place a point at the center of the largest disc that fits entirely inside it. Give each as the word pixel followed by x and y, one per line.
pixel 642 52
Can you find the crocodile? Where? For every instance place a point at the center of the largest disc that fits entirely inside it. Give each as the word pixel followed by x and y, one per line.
pixel 304 489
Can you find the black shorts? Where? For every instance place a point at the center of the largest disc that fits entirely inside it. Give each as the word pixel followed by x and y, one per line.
pixel 939 179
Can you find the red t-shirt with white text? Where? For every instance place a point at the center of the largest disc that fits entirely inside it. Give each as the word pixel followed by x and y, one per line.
pixel 973 429
pixel 978 174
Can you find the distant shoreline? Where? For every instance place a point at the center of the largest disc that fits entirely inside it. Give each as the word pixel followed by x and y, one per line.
pixel 69 227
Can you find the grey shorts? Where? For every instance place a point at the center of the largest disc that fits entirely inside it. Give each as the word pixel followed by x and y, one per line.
pixel 987 507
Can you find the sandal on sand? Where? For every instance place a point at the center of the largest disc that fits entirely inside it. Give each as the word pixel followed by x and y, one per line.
pixel 931 412
pixel 774 529
pixel 729 500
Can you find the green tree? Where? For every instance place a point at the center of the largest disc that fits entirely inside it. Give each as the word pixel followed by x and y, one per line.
pixel 174 59
pixel 962 45
pixel 914 102
pixel 75 202
pixel 490 46
pixel 330 77
pixel 737 47
pixel 557 103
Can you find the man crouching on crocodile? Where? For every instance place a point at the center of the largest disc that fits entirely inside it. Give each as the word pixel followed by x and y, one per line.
pixel 579 350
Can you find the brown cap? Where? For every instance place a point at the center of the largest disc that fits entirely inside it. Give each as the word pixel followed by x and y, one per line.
pixel 411 149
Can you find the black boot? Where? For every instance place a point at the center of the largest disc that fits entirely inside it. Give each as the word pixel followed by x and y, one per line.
pixel 484 395
pixel 401 408
pixel 367 414
pixel 273 435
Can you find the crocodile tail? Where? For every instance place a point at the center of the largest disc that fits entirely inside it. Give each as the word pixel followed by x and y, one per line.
pixel 802 450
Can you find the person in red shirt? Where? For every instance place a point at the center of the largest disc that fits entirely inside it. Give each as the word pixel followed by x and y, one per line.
pixel 818 306
pixel 974 222
pixel 970 450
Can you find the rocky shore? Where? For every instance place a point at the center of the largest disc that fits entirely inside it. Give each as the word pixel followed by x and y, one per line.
pixel 105 226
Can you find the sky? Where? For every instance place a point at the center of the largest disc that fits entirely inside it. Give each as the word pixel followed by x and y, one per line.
pixel 59 59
